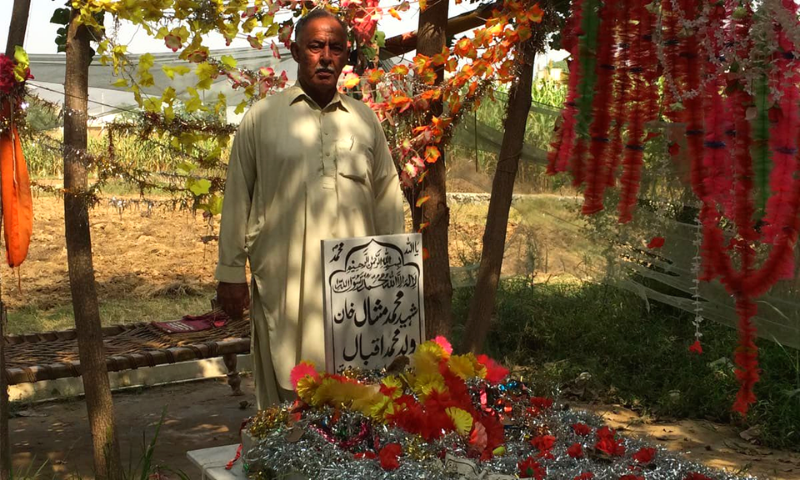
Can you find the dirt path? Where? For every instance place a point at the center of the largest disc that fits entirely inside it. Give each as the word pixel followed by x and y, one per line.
pixel 712 444
pixel 204 414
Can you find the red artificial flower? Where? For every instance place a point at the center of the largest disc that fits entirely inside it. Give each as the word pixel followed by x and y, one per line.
pixel 389 456
pixel 445 344
pixel 495 432
pixel 302 370
pixel 696 347
pixel 656 242
pixel 530 468
pixel 539 404
pixel 631 477
pixel 544 443
pixel 575 450
pixel 495 373
pixel 584 476
pixel 7 79
pixel 608 443
pixel 696 476
pixel 581 429
pixel 645 455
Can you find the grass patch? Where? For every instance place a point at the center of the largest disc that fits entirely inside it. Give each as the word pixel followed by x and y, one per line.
pixel 118 311
pixel 637 357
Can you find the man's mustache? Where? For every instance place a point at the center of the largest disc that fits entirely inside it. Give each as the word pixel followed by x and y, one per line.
pixel 325 70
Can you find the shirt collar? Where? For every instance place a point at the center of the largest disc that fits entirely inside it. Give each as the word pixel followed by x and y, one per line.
pixel 297 93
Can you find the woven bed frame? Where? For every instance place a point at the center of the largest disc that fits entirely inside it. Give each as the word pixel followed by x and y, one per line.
pixel 51 355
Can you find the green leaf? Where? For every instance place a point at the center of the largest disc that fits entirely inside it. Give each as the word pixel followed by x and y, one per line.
pixel 214 205
pixel 198 186
pixel 120 82
pixel 240 108
pixel 60 16
pixel 228 61
pixel 178 69
pixel 186 168
pixel 380 38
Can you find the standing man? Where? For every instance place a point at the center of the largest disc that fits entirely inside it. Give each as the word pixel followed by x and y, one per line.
pixel 307 164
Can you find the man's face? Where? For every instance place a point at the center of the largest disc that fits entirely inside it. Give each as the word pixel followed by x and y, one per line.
pixel 321 54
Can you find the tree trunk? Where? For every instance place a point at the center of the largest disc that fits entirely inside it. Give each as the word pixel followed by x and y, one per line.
pixel 437 286
pixel 16 36
pixel 18 25
pixel 494 236
pixel 79 257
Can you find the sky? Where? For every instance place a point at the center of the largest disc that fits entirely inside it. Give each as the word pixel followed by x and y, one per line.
pixel 40 34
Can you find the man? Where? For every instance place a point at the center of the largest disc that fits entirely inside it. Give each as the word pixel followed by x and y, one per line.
pixel 307 164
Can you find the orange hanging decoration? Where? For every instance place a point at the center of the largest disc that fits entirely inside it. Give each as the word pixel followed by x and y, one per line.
pixel 17 201
pixel 14 180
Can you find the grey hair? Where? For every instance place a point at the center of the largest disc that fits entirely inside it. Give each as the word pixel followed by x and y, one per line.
pixel 314 15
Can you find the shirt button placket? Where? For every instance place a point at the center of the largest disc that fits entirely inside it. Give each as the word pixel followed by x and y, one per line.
pixel 328 166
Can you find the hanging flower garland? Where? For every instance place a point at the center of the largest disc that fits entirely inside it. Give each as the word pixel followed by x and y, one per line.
pixel 731 80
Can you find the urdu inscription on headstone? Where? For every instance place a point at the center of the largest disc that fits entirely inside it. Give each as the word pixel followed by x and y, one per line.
pixel 373 300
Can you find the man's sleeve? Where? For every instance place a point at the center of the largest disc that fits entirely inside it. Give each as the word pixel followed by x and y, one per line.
pixel 389 217
pixel 236 204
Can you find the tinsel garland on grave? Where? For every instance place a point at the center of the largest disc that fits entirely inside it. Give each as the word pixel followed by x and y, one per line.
pixel 445 417
pixel 728 76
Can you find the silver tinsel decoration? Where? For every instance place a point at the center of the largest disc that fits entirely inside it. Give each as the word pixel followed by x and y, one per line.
pixel 282 453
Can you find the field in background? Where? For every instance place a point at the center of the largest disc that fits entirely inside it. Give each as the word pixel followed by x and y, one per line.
pixel 158 263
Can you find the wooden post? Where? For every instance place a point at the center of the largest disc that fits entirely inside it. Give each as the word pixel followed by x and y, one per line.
pixel 438 288
pixel 494 236
pixel 91 350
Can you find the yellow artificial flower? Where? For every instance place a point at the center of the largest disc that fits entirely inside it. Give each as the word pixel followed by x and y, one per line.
pixel 425 383
pixel 306 388
pixel 461 419
pixel 464 366
pixel 427 357
pixel 394 384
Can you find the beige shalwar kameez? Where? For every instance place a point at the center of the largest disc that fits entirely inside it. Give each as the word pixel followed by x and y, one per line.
pixel 299 174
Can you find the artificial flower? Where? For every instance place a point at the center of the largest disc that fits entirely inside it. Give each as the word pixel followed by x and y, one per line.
pixel 462 420
pixel 465 366
pixel 544 443
pixel 540 404
pixel 478 438
pixel 656 242
pixel 389 456
pixel 7 79
pixel 584 476
pixel 608 443
pixel 495 373
pixel 301 370
pixel 575 450
pixel 696 347
pixel 581 429
pixel 645 455
pixel 445 344
pixel 530 468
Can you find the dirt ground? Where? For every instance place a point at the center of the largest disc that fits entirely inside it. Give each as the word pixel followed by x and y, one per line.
pixel 55 436
pixel 137 252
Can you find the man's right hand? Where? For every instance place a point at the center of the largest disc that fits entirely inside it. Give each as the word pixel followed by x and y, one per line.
pixel 233 298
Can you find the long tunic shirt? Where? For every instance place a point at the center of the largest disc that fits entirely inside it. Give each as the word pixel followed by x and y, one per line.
pixel 299 174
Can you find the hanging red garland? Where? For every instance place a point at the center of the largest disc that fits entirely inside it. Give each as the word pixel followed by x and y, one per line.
pixel 742 127
pixel 598 164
